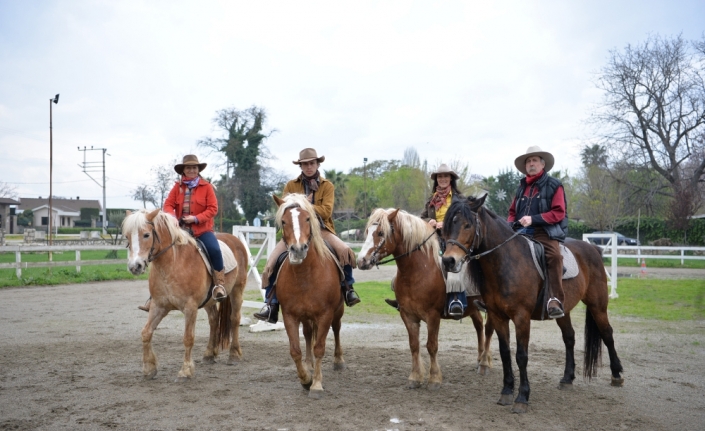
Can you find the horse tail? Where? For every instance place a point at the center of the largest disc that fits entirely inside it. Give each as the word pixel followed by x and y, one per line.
pixel 593 347
pixel 225 327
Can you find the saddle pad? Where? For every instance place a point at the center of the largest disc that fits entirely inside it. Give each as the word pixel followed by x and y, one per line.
pixel 569 262
pixel 229 261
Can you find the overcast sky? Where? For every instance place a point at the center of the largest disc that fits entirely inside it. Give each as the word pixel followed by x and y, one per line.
pixel 470 80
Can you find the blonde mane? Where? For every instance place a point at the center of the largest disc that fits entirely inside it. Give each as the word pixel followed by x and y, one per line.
pixel 298 200
pixel 413 231
pixel 138 220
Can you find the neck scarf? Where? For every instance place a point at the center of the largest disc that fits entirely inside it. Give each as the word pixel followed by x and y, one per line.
pixel 310 183
pixel 190 183
pixel 530 179
pixel 439 198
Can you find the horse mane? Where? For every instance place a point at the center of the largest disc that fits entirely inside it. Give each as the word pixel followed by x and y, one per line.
pixel 414 230
pixel 295 200
pixel 138 220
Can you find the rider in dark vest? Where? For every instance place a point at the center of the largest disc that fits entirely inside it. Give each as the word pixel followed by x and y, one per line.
pixel 539 207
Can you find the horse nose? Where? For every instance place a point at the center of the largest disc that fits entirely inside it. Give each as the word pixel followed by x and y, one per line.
pixel 362 263
pixel 136 268
pixel 449 263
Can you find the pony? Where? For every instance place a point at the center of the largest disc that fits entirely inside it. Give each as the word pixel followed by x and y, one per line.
pixel 179 280
pixel 502 265
pixel 308 290
pixel 419 286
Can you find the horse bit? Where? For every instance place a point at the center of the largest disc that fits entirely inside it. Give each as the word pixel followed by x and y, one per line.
pixel 151 257
pixel 476 242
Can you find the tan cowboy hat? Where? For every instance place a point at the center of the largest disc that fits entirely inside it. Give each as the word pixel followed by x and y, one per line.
pixel 308 154
pixel 520 162
pixel 444 169
pixel 189 160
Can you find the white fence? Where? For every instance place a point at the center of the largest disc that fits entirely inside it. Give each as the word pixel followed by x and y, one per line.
pixel 267 239
pixel 18 265
pixel 641 253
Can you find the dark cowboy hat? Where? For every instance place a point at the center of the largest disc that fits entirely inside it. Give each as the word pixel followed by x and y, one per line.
pixel 520 162
pixel 308 154
pixel 189 160
pixel 444 169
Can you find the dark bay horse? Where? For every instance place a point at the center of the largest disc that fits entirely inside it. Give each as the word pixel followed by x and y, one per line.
pixel 179 280
pixel 419 286
pixel 509 282
pixel 308 290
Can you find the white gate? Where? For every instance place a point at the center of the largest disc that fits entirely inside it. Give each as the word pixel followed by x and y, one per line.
pixel 612 244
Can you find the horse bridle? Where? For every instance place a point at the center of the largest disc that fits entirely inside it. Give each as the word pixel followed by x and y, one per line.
pixel 476 242
pixel 393 258
pixel 151 256
pixel 310 231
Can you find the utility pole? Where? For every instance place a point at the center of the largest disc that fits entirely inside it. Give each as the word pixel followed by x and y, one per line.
pixel 89 167
pixel 364 164
pixel 55 100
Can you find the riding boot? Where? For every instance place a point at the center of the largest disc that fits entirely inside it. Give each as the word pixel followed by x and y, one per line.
pixel 456 308
pixel 480 305
pixel 392 302
pixel 350 295
pixel 269 313
pixel 219 292
pixel 146 305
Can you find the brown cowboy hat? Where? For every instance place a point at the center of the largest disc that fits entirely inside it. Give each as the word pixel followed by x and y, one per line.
pixel 520 162
pixel 189 160
pixel 444 169
pixel 308 154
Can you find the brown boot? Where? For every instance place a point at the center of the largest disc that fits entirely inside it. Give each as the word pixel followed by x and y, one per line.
pixel 146 305
pixel 219 292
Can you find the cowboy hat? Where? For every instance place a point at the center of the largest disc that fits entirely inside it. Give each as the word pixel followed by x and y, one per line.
pixel 308 154
pixel 189 160
pixel 444 169
pixel 520 162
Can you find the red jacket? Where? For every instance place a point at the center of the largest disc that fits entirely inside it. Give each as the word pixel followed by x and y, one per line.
pixel 204 205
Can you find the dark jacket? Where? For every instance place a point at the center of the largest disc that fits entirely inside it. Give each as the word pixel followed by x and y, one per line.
pixel 547 186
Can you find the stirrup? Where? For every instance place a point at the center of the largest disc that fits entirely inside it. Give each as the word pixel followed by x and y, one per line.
pixel 219 298
pixel 455 309
pixel 555 312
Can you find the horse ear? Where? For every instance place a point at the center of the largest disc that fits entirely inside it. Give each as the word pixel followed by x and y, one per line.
pixel 393 215
pixel 151 215
pixel 476 203
pixel 279 201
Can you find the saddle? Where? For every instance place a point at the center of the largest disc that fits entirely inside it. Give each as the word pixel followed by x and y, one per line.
pixel 229 263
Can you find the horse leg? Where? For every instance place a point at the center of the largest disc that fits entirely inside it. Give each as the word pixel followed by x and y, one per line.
pixel 505 353
pixel 418 371
pixel 235 316
pixel 486 356
pixel 319 349
pixel 569 340
pixel 188 368
pixel 435 377
pixel 338 361
pixel 308 336
pixel 149 359
pixel 477 322
pixel 597 320
pixel 292 331
pixel 211 349
pixel 522 327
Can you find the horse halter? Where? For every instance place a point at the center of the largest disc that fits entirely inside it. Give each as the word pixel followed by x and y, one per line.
pixel 310 231
pixel 476 242
pixel 151 257
pixel 393 258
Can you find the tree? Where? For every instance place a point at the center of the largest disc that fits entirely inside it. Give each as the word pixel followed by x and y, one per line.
pixel 243 148
pixel 653 113
pixel 595 155
pixel 501 190
pixel 339 180
pixel 7 190
pixel 144 193
pixel 163 178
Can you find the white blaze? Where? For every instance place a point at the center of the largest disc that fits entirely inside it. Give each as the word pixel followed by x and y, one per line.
pixel 295 224
pixel 135 249
pixel 369 241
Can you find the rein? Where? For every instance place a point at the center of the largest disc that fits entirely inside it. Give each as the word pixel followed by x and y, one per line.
pixel 393 258
pixel 468 252
pixel 151 257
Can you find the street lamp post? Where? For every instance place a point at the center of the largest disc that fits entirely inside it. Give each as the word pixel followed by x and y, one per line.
pixel 51 163
pixel 364 164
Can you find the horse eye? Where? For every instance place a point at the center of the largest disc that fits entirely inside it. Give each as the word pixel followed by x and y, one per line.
pixel 146 235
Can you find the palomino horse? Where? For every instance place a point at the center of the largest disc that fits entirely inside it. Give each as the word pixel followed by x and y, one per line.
pixel 179 280
pixel 419 286
pixel 308 289
pixel 502 265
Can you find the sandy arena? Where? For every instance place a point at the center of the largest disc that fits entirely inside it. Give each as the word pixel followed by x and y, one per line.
pixel 71 359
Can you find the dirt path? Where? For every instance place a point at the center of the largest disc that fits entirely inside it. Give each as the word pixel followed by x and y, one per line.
pixel 70 358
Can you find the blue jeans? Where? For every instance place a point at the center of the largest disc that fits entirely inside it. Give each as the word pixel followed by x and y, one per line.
pixel 211 243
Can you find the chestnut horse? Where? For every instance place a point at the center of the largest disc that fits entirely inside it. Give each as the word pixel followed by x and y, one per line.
pixel 501 264
pixel 179 280
pixel 308 290
pixel 419 286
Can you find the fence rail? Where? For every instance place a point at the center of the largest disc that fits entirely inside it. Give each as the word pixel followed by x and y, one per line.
pixel 18 265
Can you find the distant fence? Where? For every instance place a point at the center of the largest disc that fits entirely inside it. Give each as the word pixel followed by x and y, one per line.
pixel 18 265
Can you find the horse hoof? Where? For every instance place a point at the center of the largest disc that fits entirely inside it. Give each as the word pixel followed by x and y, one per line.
pixel 413 384
pixel 617 382
pixel 150 375
pixel 316 394
pixel 208 360
pixel 307 386
pixel 233 360
pixel 483 370
pixel 565 386
pixel 433 386
pixel 505 399
pixel 181 379
pixel 520 408
pixel 339 366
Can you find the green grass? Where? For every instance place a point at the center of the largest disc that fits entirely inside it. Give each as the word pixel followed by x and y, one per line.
pixel 657 263
pixel 660 299
pixel 66 275
pixel 63 256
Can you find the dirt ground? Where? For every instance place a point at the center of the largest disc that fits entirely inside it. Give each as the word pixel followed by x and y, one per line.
pixel 70 358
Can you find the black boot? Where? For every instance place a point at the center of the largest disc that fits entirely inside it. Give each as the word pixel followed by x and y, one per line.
pixel 392 302
pixel 480 305
pixel 269 313
pixel 350 296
